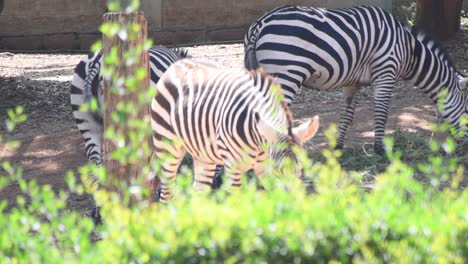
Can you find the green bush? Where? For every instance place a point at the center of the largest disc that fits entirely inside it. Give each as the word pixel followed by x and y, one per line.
pixel 400 220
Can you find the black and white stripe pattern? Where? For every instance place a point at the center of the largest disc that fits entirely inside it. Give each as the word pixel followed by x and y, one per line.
pixel 328 49
pixel 220 116
pixel 87 84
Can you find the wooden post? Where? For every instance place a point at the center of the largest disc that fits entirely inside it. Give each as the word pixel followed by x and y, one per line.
pixel 439 18
pixel 124 171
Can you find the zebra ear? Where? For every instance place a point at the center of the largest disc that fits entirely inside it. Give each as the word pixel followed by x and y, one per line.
pixel 266 130
pixel 306 130
pixel 464 83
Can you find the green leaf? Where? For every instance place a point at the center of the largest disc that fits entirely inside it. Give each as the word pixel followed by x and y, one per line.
pixel 97 46
pixel 141 74
pixel 14 143
pixel 114 6
pixel 70 180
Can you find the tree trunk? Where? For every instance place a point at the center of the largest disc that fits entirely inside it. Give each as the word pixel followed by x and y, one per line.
pixel 439 18
pixel 128 171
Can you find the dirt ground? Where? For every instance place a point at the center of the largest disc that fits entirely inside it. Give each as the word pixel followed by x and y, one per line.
pixel 51 144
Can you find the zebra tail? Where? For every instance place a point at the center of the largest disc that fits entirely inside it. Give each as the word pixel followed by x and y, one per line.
pixel 88 123
pixel 250 41
pixel 183 53
pixel 93 72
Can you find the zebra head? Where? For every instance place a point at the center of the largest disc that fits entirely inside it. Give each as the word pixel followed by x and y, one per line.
pixel 453 106
pixel 282 146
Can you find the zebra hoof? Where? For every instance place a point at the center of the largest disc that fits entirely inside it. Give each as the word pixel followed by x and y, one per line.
pixel 157 195
pixel 339 146
pixel 217 178
pixel 379 150
pixel 96 215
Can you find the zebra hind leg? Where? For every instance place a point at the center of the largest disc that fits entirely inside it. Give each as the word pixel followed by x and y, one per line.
pixel 347 113
pixel 92 184
pixel 382 95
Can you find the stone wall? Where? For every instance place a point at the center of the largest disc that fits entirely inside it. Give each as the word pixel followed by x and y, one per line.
pixel 50 24
pixel 196 21
pixel 72 24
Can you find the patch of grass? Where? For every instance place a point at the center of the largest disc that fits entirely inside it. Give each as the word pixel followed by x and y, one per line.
pixel 415 151
pixel 462 153
pixel 362 158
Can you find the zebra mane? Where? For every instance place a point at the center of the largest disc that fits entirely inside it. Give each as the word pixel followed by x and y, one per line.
pixel 290 121
pixel 434 45
pixel 264 76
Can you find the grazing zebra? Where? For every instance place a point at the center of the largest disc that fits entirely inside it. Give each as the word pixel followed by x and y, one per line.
pixel 328 49
pixel 221 116
pixel 87 84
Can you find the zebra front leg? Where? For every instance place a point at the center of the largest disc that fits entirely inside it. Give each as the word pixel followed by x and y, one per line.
pixel 204 173
pixel 218 179
pixel 259 168
pixel 259 165
pixel 382 95
pixel 234 174
pixel 347 113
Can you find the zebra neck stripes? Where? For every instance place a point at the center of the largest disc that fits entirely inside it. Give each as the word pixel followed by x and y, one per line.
pixel 432 71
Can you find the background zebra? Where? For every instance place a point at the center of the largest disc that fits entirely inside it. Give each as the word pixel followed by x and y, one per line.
pixel 87 84
pixel 221 116
pixel 328 49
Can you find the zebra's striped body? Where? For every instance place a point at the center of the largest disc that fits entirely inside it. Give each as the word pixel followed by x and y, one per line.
pixel 328 49
pixel 219 116
pixel 87 84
